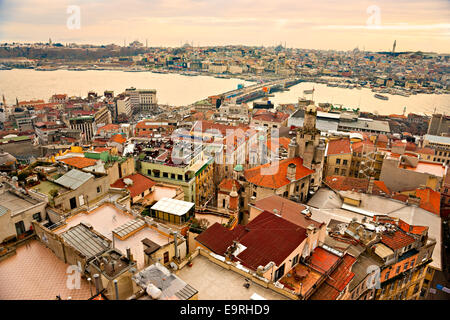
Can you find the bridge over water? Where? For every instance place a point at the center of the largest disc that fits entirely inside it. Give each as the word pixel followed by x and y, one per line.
pixel 256 91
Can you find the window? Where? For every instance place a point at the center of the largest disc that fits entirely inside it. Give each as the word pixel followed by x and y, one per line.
pixel 398 269
pixel 386 276
pixel 343 172
pixel 165 175
pixel 99 189
pixel 180 177
pixel 406 266
pixel 166 257
pixel 412 262
pixel 37 217
pixel 344 162
pixel 294 261
pixel 149 172
pixel 336 171
pixel 338 161
pixel 172 176
pixel 279 273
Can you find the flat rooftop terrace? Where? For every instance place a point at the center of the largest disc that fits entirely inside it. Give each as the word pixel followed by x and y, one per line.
pixel 216 283
pixel 35 273
pixel 105 219
pixel 15 203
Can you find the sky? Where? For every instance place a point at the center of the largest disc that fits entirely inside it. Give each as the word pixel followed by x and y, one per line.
pixel 310 24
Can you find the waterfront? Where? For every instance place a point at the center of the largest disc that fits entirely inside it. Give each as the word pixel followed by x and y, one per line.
pixel 176 89
pixel 173 89
pixel 365 100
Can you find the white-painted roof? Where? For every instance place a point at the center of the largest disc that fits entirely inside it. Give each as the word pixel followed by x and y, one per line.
pixel 173 206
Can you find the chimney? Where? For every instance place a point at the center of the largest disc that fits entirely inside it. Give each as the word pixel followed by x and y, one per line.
pixel 290 175
pixel 175 238
pixel 292 148
pixel 370 187
pixel 116 289
pixel 310 230
pixel 129 253
pixel 98 283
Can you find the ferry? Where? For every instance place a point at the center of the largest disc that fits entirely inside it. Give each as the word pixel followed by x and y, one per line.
pixel 380 96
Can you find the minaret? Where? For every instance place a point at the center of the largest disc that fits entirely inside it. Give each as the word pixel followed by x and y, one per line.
pixel 393 47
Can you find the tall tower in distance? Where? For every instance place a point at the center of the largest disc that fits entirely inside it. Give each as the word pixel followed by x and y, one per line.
pixel 308 145
pixel 393 47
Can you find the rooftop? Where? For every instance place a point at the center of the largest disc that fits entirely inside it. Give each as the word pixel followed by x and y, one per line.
pixel 434 168
pixel 35 273
pixel 107 218
pixel 140 184
pixel 289 210
pixel 273 175
pixel 171 286
pixel 437 139
pixel 266 238
pixel 74 179
pixel 16 204
pixel 216 283
pixel 79 162
pixel 339 146
pixel 173 206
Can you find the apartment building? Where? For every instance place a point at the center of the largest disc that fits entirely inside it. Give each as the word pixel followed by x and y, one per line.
pixel 441 147
pixel 338 157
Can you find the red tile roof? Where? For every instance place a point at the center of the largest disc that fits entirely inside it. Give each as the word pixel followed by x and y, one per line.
pixel 118 138
pixel 227 184
pixel 356 184
pixel 282 141
pixel 140 184
pixel 339 146
pixel 411 146
pixel 217 238
pixel 337 281
pixel 323 260
pixel 367 145
pixel 271 116
pixel 430 200
pixel 397 240
pixel 109 127
pixel 275 176
pixel 411 229
pixel 266 238
pixel 289 210
pixel 79 162
pixel 425 151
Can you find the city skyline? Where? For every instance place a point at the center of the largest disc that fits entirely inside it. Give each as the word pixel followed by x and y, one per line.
pixel 373 26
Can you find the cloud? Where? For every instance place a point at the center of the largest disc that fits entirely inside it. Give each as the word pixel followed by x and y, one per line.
pixel 304 23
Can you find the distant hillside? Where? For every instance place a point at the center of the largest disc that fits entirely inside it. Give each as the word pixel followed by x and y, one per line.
pixel 68 53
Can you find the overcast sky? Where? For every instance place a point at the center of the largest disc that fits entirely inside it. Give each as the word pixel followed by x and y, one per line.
pixel 316 24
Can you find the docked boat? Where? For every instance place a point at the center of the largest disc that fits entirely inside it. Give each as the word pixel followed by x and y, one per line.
pixel 46 69
pixel 380 96
pixel 308 91
pixel 2 67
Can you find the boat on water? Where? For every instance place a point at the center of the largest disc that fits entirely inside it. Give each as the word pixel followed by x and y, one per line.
pixel 308 91
pixel 380 96
pixel 2 67
pixel 46 68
